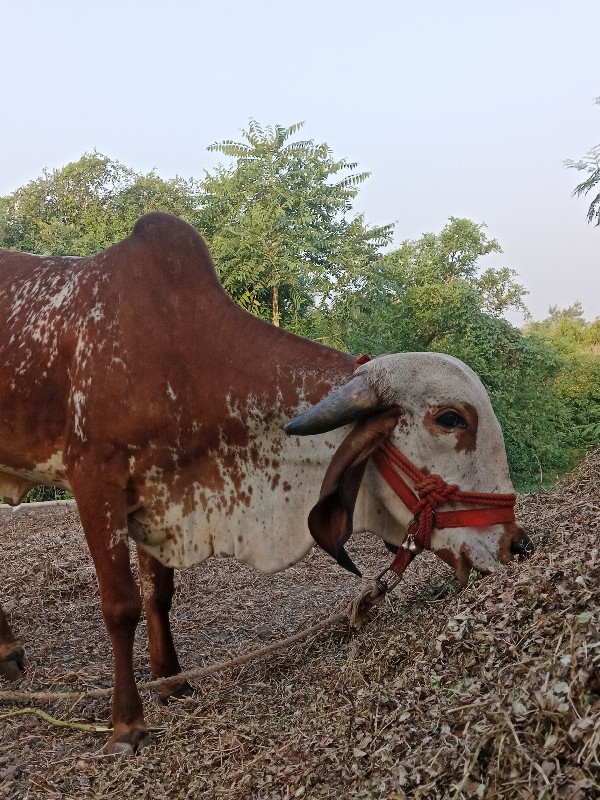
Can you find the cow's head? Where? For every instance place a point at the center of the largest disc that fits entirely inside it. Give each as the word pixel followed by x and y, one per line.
pixel 436 412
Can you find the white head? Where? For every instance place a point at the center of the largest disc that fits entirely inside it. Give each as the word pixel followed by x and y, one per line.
pixel 436 412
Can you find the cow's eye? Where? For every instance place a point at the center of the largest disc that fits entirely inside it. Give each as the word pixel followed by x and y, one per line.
pixel 450 420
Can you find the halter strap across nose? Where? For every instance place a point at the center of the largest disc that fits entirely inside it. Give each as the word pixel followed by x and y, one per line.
pixel 430 491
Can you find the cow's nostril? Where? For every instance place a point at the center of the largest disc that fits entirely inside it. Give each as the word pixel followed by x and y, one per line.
pixel 521 547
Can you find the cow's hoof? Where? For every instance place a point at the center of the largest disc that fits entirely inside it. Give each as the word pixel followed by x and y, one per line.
pixel 13 666
pixel 175 691
pixel 129 745
pixel 121 749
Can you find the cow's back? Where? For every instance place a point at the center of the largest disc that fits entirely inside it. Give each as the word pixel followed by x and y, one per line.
pixel 136 359
pixel 40 318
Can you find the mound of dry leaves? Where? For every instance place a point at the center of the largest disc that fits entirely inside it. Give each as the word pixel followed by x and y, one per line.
pixel 493 692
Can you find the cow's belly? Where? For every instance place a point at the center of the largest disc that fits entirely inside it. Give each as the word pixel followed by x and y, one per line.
pixel 269 533
pixel 15 482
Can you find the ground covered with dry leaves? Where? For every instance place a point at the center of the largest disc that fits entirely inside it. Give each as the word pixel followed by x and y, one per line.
pixel 493 692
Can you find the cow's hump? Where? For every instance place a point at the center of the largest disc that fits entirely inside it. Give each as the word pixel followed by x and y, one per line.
pixel 176 245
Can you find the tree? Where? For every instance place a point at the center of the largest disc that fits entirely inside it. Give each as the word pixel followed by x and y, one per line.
pixel 86 206
pixel 578 381
pixel 435 294
pixel 590 163
pixel 423 295
pixel 279 223
pixel 568 331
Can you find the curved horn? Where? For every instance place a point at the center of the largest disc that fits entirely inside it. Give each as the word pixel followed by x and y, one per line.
pixel 346 404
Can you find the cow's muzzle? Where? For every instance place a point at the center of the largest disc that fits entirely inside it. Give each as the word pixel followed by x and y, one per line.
pixel 521 545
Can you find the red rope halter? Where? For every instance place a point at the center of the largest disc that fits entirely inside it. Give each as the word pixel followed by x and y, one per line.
pixel 430 491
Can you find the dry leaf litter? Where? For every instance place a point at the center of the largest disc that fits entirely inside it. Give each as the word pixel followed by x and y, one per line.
pixel 492 692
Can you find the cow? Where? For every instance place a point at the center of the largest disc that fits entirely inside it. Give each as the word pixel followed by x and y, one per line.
pixel 133 380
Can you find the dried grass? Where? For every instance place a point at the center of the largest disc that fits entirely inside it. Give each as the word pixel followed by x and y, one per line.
pixel 491 692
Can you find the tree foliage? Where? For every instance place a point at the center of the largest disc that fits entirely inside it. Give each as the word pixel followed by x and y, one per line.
pixel 590 163
pixel 87 206
pixel 426 293
pixel 567 330
pixel 577 342
pixel 279 222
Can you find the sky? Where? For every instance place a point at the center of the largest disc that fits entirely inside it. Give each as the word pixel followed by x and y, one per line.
pixel 465 108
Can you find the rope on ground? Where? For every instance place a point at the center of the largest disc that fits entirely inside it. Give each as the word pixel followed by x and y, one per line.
pixel 354 615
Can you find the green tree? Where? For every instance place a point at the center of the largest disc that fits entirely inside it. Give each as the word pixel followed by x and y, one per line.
pixel 590 163
pixel 521 375
pixel 577 342
pixel 435 294
pixel 279 223
pixel 567 330
pixel 86 206
pixel 424 295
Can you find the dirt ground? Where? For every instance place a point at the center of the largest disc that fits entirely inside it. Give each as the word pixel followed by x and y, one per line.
pixel 492 692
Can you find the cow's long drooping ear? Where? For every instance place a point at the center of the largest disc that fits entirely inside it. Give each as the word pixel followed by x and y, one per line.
pixel 348 403
pixel 330 521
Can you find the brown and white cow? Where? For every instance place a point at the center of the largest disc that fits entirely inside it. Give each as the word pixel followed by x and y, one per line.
pixel 132 379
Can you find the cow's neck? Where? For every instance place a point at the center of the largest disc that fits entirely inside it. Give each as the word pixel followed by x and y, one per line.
pixel 288 371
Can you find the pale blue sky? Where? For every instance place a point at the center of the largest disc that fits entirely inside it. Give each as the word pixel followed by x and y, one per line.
pixel 458 108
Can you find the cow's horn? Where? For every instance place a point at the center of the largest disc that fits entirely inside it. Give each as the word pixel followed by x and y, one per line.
pixel 351 401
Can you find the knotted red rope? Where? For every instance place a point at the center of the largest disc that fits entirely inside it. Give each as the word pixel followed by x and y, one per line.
pixel 430 491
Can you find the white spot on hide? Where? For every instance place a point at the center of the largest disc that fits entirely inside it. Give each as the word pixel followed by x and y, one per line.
pixel 78 401
pixel 171 393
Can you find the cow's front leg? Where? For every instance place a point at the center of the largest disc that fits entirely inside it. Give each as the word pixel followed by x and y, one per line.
pixel 104 524
pixel 12 655
pixel 157 589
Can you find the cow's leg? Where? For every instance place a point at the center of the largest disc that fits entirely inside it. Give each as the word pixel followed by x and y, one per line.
pixel 12 655
pixel 105 528
pixel 157 589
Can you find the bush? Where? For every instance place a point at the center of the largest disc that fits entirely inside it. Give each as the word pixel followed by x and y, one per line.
pixel 42 493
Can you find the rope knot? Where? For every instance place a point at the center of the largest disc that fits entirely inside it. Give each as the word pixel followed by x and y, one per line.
pixel 433 490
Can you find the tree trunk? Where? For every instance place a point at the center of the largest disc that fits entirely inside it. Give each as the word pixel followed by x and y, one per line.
pixel 276 314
